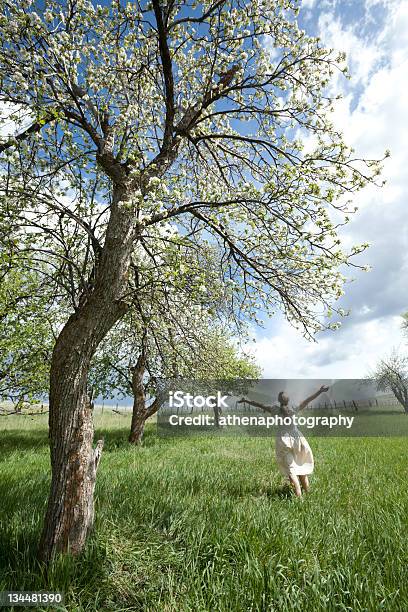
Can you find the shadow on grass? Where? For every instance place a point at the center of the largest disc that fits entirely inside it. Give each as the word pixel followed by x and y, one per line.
pixel 12 440
pixel 22 509
pixel 15 439
pixel 118 438
pixel 271 492
pixel 253 490
pixel 282 492
pixel 18 559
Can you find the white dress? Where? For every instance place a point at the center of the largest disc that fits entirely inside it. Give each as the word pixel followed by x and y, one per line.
pixel 293 453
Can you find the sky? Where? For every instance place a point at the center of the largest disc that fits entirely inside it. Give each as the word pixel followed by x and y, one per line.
pixel 373 115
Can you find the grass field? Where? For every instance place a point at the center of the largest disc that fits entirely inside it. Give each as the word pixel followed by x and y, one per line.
pixel 206 524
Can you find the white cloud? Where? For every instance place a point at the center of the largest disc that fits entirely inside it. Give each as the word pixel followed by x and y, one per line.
pixel 345 355
pixel 362 54
pixel 374 117
pixel 308 3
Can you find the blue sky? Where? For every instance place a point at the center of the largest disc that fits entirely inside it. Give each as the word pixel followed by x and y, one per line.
pixel 374 117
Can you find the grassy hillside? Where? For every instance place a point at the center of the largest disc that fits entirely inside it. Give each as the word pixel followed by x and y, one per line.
pixel 206 524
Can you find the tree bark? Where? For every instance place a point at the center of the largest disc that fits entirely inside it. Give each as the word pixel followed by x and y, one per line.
pixel 74 461
pixel 139 400
pixel 137 426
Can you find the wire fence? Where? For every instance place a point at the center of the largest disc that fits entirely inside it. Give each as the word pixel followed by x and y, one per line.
pixel 242 406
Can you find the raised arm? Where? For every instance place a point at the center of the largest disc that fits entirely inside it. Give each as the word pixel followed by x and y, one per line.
pixel 306 401
pixel 264 407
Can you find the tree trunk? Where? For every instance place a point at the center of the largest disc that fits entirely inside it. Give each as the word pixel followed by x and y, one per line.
pixel 401 394
pixel 74 461
pixel 217 414
pixel 139 419
pixel 137 426
pixel 18 406
pixel 139 414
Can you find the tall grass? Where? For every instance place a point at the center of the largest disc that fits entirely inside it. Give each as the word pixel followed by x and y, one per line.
pixel 206 525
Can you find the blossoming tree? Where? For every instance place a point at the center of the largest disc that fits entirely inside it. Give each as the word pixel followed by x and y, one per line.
pixel 136 358
pixel 127 116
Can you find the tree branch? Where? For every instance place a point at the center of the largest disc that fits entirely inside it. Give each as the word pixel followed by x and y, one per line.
pixel 168 76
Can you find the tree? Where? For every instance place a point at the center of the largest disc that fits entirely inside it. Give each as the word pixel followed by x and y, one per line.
pixel 405 323
pixel 391 374
pixel 180 343
pixel 26 337
pixel 132 115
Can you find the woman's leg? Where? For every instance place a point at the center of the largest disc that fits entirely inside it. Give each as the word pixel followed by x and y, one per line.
pixel 294 481
pixel 304 481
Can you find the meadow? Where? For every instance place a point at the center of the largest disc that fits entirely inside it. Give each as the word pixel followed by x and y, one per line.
pixel 207 524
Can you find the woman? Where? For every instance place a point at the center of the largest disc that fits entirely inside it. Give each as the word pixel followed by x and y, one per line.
pixel 292 450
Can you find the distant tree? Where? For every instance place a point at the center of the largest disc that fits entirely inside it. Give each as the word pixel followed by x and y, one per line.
pixel 132 115
pixel 405 323
pixel 391 374
pixel 26 337
pixel 180 342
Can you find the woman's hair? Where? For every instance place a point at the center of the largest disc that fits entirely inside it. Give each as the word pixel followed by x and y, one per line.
pixel 283 398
